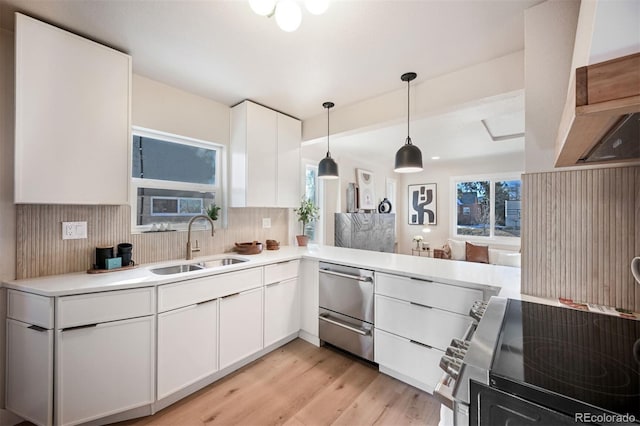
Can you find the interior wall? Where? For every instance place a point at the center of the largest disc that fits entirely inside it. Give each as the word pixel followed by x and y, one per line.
pixel 161 107
pixel 441 173
pixel 7 208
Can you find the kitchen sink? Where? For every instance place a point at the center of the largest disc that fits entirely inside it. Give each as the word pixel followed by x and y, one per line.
pixel 188 267
pixel 220 262
pixel 177 269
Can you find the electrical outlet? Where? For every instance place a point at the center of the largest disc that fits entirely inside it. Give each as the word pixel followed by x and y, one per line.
pixel 74 230
pixel 266 222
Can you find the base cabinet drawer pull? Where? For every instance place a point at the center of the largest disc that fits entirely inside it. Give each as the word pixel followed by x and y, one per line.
pixel 231 295
pixel 349 276
pixel 343 325
pixel 421 344
pixel 78 327
pixel 206 301
pixel 421 305
pixel 421 280
pixel 36 328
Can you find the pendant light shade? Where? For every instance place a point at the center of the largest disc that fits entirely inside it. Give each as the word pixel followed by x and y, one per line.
pixel 328 169
pixel 409 157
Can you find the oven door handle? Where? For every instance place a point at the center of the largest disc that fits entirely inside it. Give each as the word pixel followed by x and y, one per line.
pixel 349 276
pixel 444 391
pixel 325 317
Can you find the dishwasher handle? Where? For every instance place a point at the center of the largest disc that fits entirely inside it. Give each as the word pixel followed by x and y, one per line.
pixel 349 276
pixel 325 317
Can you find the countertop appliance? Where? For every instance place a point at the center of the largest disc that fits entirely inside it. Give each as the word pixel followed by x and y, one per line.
pixel 530 363
pixel 346 308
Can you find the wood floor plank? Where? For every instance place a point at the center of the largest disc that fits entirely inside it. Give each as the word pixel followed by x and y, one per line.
pixel 302 385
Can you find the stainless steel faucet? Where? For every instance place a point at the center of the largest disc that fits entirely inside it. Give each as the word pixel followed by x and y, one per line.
pixel 193 219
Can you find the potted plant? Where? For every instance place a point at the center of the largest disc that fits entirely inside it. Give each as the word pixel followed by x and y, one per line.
pixel 307 213
pixel 212 211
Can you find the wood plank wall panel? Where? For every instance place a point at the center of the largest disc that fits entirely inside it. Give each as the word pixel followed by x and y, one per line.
pixel 40 250
pixel 581 228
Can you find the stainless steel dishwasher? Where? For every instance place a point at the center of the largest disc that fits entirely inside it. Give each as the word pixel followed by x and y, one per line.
pixel 346 308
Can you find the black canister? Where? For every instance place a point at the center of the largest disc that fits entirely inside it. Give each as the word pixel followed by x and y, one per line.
pixel 124 251
pixel 102 253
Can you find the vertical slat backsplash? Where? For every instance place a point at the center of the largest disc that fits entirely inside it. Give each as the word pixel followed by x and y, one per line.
pixel 581 228
pixel 41 251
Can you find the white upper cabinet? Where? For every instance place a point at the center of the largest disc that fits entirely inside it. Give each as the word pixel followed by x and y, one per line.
pixel 265 157
pixel 72 118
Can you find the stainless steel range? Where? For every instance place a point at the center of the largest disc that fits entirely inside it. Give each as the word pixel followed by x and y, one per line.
pixel 346 308
pixel 529 363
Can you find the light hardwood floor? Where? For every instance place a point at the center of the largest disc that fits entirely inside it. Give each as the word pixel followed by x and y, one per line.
pixel 300 384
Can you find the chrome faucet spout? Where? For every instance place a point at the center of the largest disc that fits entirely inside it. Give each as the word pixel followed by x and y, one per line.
pixel 193 219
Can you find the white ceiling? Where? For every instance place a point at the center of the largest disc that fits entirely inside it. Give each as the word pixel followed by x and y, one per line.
pixel 452 136
pixel 356 50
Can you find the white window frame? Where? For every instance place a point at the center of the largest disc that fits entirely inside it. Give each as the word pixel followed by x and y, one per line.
pixel 218 188
pixel 319 228
pixel 453 215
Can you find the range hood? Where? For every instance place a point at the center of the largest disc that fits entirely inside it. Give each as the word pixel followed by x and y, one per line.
pixel 601 122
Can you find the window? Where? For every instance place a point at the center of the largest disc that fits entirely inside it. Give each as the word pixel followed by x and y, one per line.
pixel 172 179
pixel 487 207
pixel 311 192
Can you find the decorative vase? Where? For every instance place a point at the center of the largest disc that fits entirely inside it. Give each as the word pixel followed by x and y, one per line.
pixel 303 240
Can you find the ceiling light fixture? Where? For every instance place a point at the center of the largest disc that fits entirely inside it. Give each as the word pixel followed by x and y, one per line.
pixel 328 169
pixel 409 157
pixel 287 13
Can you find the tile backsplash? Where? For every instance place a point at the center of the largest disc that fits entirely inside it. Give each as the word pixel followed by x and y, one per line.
pixel 41 251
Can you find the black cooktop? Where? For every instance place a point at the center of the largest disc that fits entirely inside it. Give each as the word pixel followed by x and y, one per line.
pixel 569 360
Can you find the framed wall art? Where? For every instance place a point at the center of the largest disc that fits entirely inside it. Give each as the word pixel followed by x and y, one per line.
pixel 367 189
pixel 422 204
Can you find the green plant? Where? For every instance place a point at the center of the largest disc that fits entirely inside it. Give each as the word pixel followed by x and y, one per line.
pixel 212 211
pixel 307 212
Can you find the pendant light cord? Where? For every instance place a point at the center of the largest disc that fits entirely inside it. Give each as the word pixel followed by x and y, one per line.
pixel 328 150
pixel 408 119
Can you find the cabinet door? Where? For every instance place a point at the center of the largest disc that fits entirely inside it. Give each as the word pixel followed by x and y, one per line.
pixel 309 297
pixel 30 372
pixel 240 326
pixel 72 105
pixel 262 147
pixel 187 346
pixel 288 175
pixel 281 310
pixel 104 369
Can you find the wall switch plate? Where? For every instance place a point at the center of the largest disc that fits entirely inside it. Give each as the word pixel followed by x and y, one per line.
pixel 74 230
pixel 266 222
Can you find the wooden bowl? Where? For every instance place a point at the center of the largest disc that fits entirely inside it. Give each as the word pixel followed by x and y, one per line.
pixel 273 245
pixel 253 247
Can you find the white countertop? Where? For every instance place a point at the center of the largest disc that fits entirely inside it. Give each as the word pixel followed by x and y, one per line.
pixel 504 279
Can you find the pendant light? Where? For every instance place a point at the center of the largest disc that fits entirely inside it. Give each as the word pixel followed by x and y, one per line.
pixel 328 169
pixel 409 157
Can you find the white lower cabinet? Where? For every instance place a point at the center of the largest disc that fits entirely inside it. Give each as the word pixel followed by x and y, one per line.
pixel 281 310
pixel 30 372
pixel 309 300
pixel 104 369
pixel 187 346
pixel 241 326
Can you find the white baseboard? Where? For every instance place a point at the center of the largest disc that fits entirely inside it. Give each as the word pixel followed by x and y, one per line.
pixel 7 418
pixel 314 340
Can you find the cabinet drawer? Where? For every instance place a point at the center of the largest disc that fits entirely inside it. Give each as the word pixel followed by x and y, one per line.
pixel 105 306
pixel 437 295
pixel 281 271
pixel 410 359
pixel 185 293
pixel 30 308
pixel 429 326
